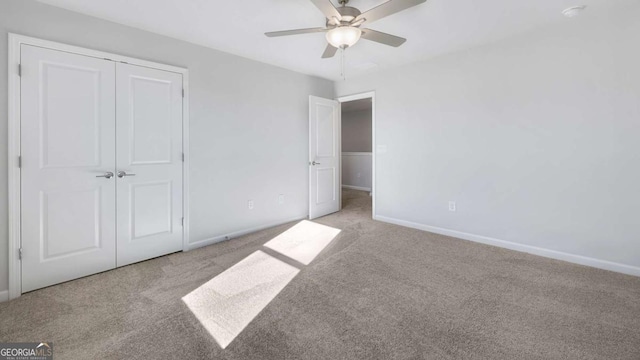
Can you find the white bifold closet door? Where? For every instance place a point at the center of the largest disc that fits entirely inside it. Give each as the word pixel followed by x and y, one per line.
pixel 101 174
pixel 149 158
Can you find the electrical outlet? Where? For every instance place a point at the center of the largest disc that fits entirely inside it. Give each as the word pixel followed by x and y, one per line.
pixel 452 206
pixel 358 175
pixel 250 204
pixel 280 199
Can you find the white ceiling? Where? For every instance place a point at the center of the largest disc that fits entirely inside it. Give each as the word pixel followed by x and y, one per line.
pixel 238 26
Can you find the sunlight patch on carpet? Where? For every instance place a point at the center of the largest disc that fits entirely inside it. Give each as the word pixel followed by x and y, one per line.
pixel 304 241
pixel 226 304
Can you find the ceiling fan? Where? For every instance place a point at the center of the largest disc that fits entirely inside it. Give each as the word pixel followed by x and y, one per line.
pixel 343 26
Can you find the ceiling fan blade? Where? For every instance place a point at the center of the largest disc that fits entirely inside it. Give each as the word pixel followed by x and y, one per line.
pixel 329 51
pixel 294 32
pixel 382 38
pixel 388 8
pixel 327 9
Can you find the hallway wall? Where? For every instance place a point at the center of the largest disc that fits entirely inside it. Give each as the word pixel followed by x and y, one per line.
pixel 356 144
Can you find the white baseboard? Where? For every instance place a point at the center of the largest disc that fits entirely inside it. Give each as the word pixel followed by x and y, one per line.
pixel 235 234
pixel 553 254
pixel 356 188
pixel 4 295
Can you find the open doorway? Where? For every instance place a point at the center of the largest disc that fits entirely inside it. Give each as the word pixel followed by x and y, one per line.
pixel 357 140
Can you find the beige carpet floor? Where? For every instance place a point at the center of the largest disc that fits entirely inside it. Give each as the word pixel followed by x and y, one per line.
pixel 376 291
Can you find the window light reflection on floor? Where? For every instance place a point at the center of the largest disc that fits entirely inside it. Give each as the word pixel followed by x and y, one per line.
pixel 304 241
pixel 226 304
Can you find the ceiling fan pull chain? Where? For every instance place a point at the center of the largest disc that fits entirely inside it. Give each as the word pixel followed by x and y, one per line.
pixel 342 72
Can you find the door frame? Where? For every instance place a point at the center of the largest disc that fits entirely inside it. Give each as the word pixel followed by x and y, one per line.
pixel 15 210
pixel 359 96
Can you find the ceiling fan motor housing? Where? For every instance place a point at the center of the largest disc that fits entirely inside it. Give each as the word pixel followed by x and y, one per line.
pixel 348 13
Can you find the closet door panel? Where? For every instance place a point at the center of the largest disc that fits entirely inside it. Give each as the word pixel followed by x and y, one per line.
pixel 149 163
pixel 67 146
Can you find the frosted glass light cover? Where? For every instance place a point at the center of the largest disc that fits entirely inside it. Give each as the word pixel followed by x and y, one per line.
pixel 343 36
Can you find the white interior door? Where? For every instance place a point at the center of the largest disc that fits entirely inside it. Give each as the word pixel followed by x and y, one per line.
pixel 324 157
pixel 149 163
pixel 67 141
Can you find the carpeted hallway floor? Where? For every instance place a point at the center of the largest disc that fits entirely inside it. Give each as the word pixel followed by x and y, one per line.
pixel 377 291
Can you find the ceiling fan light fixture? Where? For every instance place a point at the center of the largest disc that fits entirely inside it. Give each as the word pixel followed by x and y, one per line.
pixel 343 36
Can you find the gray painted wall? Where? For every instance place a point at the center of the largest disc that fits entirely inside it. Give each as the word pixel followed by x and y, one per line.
pixel 536 138
pixel 241 113
pixel 356 170
pixel 356 139
pixel 356 131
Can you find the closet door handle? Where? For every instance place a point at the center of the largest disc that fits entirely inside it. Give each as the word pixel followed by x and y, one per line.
pixel 122 174
pixel 107 175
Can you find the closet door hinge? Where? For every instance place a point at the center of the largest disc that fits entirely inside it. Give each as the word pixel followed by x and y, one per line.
pixel 19 69
pixel 182 221
pixel 20 254
pixel 183 92
pixel 182 157
pixel 19 162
